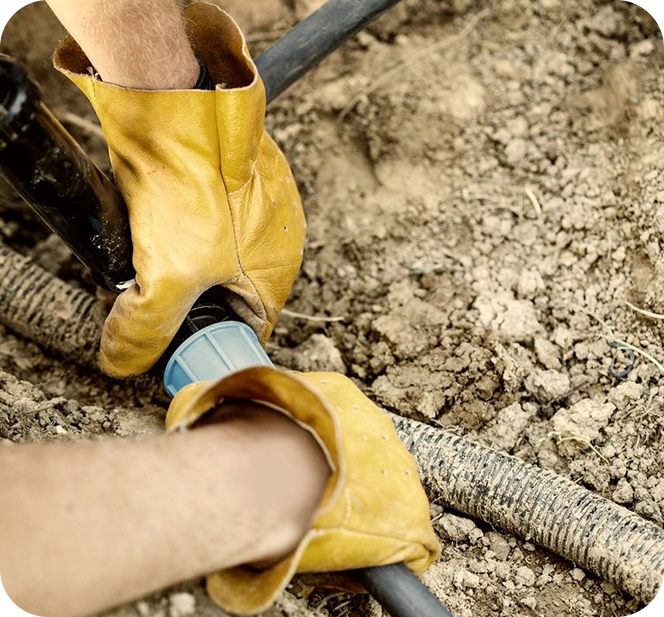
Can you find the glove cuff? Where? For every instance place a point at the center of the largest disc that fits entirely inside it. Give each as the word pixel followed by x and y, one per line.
pixel 242 590
pixel 374 511
pixel 216 40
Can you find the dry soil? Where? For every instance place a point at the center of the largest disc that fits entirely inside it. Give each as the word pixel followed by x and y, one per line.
pixel 484 188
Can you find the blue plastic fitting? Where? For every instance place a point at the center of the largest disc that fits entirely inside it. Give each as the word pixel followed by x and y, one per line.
pixel 212 353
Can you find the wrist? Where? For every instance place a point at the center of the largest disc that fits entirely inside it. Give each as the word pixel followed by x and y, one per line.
pixel 281 475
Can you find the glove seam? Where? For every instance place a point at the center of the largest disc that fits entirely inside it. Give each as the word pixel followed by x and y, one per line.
pixel 238 259
pixel 251 177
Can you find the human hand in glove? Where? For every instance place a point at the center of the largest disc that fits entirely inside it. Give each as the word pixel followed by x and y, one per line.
pixel 374 511
pixel 211 198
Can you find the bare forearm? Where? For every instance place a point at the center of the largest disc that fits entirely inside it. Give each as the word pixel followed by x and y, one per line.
pixel 87 526
pixel 132 43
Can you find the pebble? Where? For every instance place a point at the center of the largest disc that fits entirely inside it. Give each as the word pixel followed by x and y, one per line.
pixel 510 424
pixel 578 574
pixel 503 571
pixel 463 578
pixel 530 283
pixel 547 385
pixel 624 492
pixel 525 576
pixel 519 322
pixel 585 419
pixel 516 150
pixel 548 354
pixel 498 545
pixel 454 527
pixel 182 604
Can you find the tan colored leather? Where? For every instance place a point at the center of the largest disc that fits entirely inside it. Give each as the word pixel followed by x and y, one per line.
pixel 211 198
pixel 374 510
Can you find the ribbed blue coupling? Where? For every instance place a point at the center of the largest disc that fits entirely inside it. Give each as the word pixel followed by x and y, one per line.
pixel 212 353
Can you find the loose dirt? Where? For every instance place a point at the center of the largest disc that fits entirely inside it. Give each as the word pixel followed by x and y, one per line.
pixel 484 189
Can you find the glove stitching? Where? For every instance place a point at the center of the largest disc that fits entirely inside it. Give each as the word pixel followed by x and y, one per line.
pixel 251 177
pixel 238 261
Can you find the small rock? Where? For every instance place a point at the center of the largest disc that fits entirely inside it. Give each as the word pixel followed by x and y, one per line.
pixel 475 535
pixel 524 576
pixel 578 574
pixel 519 322
pixel 562 337
pixel 624 492
pixel 182 604
pixel 529 602
pixel 585 419
pixel 509 425
pixel 547 386
pixel 548 353
pixel 626 392
pixel 498 545
pixel 530 283
pixel 454 527
pixel 503 571
pixel 478 567
pixel 516 151
pixel 463 578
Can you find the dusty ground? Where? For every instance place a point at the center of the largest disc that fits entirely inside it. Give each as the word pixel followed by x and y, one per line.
pixel 483 183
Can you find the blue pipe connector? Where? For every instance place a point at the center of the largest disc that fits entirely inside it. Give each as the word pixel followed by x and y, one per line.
pixel 212 353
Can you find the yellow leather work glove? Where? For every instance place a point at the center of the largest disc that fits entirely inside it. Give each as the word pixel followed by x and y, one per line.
pixel 374 511
pixel 211 198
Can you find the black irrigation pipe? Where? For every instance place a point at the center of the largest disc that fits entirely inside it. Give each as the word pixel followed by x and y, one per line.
pixel 313 39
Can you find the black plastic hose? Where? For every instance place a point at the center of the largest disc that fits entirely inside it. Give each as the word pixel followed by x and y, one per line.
pixel 516 497
pixel 397 587
pixel 313 39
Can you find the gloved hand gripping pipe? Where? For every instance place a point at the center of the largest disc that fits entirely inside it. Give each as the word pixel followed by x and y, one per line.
pixel 41 160
pixel 540 506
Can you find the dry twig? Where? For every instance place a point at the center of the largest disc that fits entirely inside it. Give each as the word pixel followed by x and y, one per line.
pixel 644 312
pixel 312 317
pixel 533 200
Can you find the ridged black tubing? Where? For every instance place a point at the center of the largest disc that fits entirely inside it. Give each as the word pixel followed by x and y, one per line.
pixel 313 39
pixel 45 309
pixel 540 506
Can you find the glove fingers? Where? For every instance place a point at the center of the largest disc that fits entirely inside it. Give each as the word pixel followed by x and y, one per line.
pixel 141 325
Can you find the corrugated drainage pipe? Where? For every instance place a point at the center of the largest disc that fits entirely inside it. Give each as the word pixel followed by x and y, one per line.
pixel 47 310
pixel 539 505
